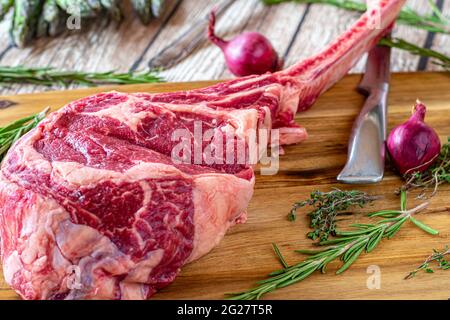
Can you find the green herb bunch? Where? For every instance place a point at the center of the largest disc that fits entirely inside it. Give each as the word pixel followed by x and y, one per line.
pixel 50 76
pixel 14 131
pixel 347 246
pixel 326 208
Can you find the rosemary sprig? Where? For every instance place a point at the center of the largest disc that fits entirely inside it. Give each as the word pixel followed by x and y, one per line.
pixel 50 76
pixel 434 176
pixel 437 256
pixel 433 23
pixel 348 246
pixel 14 131
pixel 440 58
pixel 326 207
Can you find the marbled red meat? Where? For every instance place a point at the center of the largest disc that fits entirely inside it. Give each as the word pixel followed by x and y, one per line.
pixel 92 204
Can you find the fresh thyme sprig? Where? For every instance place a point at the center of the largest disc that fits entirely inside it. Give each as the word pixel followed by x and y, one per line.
pixel 439 257
pixel 433 23
pixel 326 208
pixel 50 76
pixel 12 132
pixel 434 176
pixel 348 246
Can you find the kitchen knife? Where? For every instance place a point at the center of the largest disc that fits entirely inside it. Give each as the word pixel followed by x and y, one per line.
pixel 366 149
pixel 185 44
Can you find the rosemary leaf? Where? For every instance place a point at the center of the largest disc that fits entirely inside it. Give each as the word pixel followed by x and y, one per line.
pixel 14 131
pixel 424 227
pixel 280 255
pixel 351 259
pixel 375 240
pixel 50 76
pixel 403 201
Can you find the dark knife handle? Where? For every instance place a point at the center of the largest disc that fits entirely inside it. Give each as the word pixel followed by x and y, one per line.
pixel 185 44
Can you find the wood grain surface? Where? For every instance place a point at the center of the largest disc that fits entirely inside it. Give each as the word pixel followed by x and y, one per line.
pixel 296 31
pixel 245 256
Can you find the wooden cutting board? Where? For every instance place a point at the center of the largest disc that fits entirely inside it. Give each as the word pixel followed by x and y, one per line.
pixel 245 255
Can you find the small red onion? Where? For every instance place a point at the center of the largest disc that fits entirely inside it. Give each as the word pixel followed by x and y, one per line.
pixel 246 54
pixel 414 146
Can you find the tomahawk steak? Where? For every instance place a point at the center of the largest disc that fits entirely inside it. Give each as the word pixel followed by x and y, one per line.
pixel 92 203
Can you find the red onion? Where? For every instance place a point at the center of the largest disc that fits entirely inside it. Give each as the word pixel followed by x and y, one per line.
pixel 413 145
pixel 247 54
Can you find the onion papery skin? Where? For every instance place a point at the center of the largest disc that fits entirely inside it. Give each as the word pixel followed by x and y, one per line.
pixel 249 53
pixel 413 146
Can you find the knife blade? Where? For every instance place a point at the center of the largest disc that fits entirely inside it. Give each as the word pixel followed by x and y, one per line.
pixel 186 43
pixel 366 148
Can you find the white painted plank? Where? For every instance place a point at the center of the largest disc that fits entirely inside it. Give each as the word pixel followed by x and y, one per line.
pixel 277 23
pixel 207 62
pixel 441 41
pixel 324 23
pixel 101 48
pixel 188 14
pixel 321 26
pixel 4 32
pixel 402 60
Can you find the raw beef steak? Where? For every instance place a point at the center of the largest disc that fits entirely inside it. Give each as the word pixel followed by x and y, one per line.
pixel 92 204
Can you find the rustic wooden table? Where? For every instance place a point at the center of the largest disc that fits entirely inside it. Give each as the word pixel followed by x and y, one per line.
pixel 296 30
pixel 245 256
